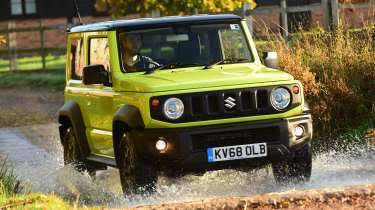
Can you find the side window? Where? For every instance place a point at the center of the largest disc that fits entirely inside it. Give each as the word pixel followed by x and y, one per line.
pixel 77 59
pixel 99 52
pixel 234 35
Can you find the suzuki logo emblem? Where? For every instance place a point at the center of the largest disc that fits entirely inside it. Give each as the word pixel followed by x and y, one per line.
pixel 229 102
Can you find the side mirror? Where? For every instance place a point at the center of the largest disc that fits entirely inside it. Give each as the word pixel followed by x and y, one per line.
pixel 95 74
pixel 271 60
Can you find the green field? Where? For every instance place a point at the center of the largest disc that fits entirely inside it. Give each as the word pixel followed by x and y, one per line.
pixel 29 73
pixel 35 79
pixel 33 63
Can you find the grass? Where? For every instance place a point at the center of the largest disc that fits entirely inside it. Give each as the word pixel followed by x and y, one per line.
pixel 32 63
pixel 337 71
pixel 33 201
pixel 348 141
pixel 9 185
pixel 35 79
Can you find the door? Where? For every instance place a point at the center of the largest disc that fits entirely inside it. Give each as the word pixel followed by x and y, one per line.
pixel 99 104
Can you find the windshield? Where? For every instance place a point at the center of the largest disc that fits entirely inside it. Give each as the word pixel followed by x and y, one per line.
pixel 183 46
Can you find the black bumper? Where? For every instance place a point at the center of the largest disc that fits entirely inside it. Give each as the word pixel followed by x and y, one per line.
pixel 187 147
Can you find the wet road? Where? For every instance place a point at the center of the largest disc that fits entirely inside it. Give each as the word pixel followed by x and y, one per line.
pixel 43 171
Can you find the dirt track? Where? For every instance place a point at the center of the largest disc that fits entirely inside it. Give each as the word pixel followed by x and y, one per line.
pixel 25 107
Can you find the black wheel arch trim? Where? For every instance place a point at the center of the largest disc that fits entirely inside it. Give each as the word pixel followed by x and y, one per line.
pixel 125 118
pixel 70 114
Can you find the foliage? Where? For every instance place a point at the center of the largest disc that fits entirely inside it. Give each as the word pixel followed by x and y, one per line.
pixel 52 80
pixel 9 185
pixel 337 70
pixel 352 141
pixel 168 7
pixel 35 201
pixel 11 196
pixel 2 39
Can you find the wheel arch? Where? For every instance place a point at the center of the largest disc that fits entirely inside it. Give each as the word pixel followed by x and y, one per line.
pixel 126 118
pixel 70 115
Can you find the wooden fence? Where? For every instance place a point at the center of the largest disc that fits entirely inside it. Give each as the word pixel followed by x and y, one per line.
pixel 12 51
pixel 330 8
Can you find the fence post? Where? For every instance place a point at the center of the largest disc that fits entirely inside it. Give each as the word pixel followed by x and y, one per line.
pixel 196 11
pixel 335 14
pixel 245 7
pixel 155 13
pixel 248 18
pixel 12 45
pixel 42 45
pixel 326 15
pixel 284 19
pixel 250 24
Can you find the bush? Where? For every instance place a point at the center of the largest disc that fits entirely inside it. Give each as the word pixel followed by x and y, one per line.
pixel 338 73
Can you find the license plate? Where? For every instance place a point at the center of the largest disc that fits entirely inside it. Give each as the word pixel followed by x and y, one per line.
pixel 236 152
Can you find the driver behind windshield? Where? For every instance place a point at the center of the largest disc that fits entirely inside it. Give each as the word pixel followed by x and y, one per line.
pixel 133 61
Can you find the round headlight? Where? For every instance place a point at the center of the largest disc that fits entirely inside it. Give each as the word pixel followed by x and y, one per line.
pixel 173 108
pixel 280 98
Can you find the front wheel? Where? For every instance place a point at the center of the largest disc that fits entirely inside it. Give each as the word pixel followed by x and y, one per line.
pixel 295 170
pixel 72 153
pixel 136 175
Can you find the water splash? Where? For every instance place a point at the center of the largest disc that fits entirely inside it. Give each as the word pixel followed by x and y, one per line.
pixel 45 173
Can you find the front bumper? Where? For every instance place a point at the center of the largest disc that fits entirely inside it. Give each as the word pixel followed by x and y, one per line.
pixel 187 147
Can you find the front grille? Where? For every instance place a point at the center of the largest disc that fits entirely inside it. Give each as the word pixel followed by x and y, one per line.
pixel 222 104
pixel 225 102
pixel 201 142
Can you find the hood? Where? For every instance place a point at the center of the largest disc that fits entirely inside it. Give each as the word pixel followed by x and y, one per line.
pixel 197 77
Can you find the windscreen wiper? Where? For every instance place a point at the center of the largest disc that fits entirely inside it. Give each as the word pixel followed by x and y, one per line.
pixel 170 66
pixel 152 70
pixel 225 61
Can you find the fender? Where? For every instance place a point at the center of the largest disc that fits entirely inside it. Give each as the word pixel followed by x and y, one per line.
pixel 126 117
pixel 70 114
pixel 306 108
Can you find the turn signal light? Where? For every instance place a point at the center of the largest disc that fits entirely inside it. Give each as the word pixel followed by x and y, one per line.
pixel 295 89
pixel 155 102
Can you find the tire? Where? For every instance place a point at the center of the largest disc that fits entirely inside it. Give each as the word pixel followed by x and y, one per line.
pixel 72 153
pixel 137 176
pixel 296 170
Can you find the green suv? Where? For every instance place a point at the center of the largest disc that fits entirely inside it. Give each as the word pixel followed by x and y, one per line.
pixel 178 95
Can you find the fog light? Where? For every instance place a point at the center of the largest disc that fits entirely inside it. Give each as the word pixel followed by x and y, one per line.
pixel 299 130
pixel 161 144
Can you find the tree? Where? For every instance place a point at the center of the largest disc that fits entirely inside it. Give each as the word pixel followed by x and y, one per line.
pixel 2 39
pixel 119 8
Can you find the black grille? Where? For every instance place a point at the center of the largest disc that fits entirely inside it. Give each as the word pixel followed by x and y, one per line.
pixel 222 104
pixel 203 141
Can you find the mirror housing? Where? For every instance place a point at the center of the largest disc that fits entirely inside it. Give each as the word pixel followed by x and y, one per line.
pixel 271 59
pixel 95 74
